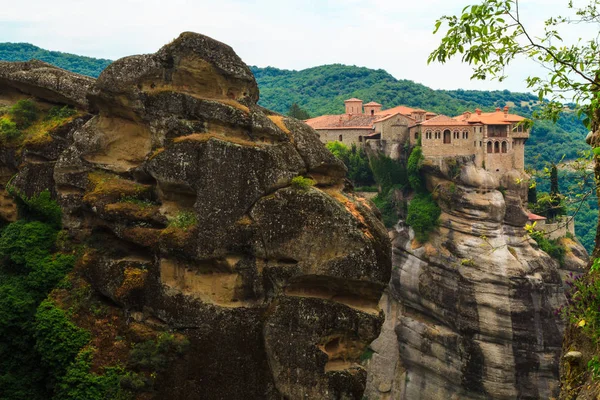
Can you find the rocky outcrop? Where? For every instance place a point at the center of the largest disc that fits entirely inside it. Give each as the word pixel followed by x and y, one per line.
pixel 45 81
pixel 471 313
pixel 182 189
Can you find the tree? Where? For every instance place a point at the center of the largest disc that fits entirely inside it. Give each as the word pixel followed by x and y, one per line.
pixel 491 34
pixel 298 112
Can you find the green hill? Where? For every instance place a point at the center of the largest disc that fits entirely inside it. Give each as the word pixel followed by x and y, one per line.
pixel 79 64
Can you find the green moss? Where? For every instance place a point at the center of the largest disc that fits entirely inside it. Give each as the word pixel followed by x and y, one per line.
pixel 302 183
pixel 183 220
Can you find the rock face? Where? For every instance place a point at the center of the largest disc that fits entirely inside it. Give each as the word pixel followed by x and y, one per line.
pixel 471 313
pixel 181 186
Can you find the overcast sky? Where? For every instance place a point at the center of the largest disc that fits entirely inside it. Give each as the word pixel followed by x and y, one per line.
pixel 392 35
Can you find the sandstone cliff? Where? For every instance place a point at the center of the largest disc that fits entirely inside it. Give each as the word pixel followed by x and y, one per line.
pixel 471 313
pixel 180 190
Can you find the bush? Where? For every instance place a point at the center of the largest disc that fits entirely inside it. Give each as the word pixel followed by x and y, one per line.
pixel 356 160
pixel 551 247
pixel 302 183
pixel 24 113
pixel 25 244
pixel 423 215
pixel 9 130
pixel 58 340
pixel 58 112
pixel 41 207
pixel 388 173
pixel 80 383
pixel 155 355
pixel 413 169
pixel 386 204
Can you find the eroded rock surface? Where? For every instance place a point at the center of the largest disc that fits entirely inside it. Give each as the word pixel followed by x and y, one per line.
pixel 471 313
pixel 181 187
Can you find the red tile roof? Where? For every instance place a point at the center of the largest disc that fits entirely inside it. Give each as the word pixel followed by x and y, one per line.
pixel 534 217
pixel 491 118
pixel 352 99
pixel 372 103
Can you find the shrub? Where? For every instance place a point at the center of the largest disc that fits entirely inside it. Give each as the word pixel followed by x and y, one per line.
pixel 155 355
pixel 80 383
pixel 26 244
pixel 183 220
pixel 413 169
pixel 388 173
pixel 9 130
pixel 387 206
pixel 58 112
pixel 551 247
pixel 41 207
pixel 356 160
pixel 24 113
pixel 302 183
pixel 583 303
pixel 423 215
pixel 58 340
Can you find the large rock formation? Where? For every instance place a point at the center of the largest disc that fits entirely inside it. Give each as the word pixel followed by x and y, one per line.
pixel 181 188
pixel 471 313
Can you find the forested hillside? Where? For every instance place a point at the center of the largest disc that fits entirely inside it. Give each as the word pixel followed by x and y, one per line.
pixel 79 64
pixel 322 90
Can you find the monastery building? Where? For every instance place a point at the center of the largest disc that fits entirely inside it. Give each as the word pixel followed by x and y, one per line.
pixel 496 139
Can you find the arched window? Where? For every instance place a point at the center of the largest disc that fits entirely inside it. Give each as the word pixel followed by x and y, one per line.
pixel 504 147
pixel 372 112
pixel 340 139
pixel 489 147
pixel 447 138
pixel 496 147
pixel 465 135
pixel 428 135
pixel 455 135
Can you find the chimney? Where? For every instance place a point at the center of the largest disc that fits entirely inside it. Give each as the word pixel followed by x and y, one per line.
pixel 478 111
pixel 506 111
pixel 497 109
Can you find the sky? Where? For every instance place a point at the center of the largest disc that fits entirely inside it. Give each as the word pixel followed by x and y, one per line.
pixel 392 35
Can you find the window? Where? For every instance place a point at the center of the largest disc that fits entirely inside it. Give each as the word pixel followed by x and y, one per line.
pixel 372 112
pixel 455 134
pixel 428 135
pixel 496 147
pixel 489 147
pixel 465 135
pixel 447 139
pixel 480 143
pixel 360 138
pixel 340 139
pixel 504 147
pixel 438 135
